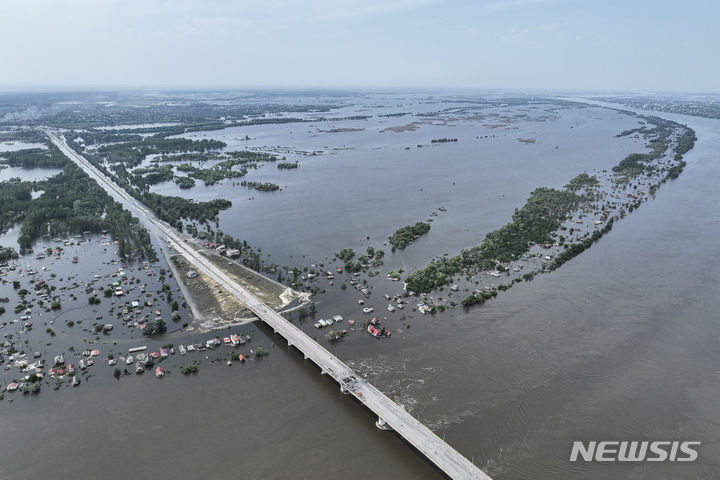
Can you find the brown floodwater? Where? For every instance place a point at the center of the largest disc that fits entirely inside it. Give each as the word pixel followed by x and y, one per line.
pixel 622 342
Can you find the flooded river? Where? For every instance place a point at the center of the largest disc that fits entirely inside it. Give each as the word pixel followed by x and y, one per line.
pixel 622 342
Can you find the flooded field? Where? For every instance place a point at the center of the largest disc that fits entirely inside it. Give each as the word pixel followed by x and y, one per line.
pixel 15 146
pixel 27 174
pixel 619 343
pixel 337 198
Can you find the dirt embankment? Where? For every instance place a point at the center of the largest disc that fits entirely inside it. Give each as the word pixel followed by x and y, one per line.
pixel 213 306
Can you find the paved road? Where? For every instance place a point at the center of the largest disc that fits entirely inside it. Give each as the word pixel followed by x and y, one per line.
pixel 390 414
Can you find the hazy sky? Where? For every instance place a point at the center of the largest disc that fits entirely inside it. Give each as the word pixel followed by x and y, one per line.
pixel 563 44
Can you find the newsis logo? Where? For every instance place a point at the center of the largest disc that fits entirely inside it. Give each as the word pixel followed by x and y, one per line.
pixel 635 451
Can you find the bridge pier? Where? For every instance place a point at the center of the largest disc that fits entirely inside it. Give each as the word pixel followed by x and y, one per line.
pixel 382 425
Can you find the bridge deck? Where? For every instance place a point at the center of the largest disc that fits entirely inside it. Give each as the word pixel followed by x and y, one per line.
pixel 442 455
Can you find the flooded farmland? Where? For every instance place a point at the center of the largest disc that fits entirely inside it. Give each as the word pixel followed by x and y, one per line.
pixel 621 342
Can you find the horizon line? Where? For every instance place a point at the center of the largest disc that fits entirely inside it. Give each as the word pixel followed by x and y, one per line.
pixel 15 89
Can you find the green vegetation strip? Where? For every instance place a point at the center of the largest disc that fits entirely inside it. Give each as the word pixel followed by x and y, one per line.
pixel 260 186
pixel 543 213
pixel 408 234
pixel 70 203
